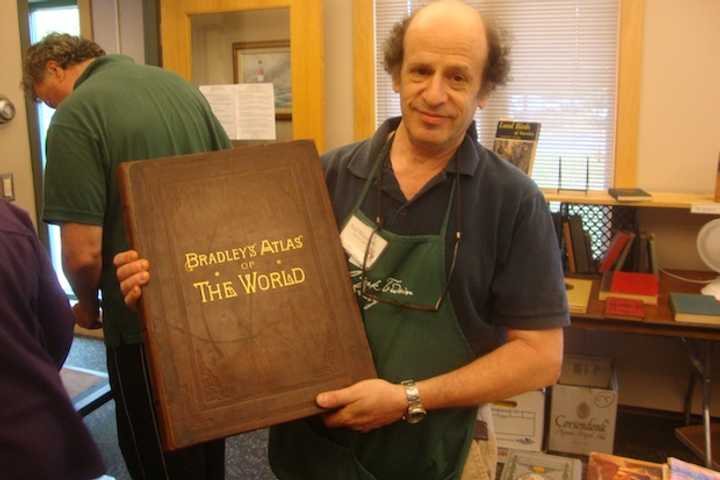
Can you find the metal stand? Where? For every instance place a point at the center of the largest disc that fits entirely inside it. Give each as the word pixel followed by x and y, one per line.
pixel 587 177
pixel 700 358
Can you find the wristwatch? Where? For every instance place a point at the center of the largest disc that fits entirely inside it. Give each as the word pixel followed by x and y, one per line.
pixel 415 410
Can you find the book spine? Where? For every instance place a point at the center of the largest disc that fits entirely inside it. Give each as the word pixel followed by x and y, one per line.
pixel 717 182
pixel 654 267
pixel 129 214
pixel 569 248
pixel 625 252
pixel 578 242
pixel 613 251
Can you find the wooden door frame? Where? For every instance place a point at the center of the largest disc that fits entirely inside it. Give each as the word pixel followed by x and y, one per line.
pixel 307 52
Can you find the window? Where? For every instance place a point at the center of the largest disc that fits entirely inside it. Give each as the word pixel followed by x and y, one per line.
pixel 563 75
pixel 45 19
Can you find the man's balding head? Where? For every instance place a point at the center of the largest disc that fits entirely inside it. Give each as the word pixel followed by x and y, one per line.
pixel 451 15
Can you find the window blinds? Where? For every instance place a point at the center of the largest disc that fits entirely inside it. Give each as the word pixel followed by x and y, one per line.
pixel 563 75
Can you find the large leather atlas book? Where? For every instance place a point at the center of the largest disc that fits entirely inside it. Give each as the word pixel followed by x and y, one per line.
pixel 250 311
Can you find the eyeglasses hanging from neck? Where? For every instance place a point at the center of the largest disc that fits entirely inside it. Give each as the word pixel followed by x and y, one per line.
pixel 455 195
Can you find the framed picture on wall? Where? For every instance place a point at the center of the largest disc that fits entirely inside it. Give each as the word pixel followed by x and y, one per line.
pixel 266 62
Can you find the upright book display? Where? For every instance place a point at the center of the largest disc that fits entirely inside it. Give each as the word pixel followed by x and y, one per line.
pixel 516 142
pixel 250 312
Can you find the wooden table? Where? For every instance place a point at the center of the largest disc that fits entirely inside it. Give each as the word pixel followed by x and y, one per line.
pixel 659 321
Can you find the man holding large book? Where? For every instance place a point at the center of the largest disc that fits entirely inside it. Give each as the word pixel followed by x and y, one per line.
pixel 454 261
pixel 110 110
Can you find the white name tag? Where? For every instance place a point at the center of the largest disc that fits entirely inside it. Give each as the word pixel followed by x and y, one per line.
pixel 355 236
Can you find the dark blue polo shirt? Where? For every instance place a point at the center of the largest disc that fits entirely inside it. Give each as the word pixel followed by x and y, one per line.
pixel 508 272
pixel 41 435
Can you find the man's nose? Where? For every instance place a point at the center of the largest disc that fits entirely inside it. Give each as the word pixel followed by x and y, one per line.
pixel 435 93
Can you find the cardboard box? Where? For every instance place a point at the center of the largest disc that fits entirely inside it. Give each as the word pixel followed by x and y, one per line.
pixel 584 406
pixel 519 422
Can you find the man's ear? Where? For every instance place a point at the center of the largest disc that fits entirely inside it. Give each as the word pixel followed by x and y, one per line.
pixel 396 80
pixel 55 69
pixel 482 100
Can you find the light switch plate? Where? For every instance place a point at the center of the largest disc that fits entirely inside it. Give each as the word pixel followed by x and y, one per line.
pixel 7 186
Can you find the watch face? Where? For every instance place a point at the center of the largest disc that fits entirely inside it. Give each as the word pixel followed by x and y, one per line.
pixel 414 415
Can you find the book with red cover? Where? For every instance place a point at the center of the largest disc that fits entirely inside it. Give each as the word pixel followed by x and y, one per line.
pixel 632 285
pixel 624 308
pixel 618 242
pixel 250 312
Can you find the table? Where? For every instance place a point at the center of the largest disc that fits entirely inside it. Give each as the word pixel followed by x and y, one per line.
pixel 88 389
pixel 659 321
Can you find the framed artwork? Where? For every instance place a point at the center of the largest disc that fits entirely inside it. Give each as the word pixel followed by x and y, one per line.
pixel 266 62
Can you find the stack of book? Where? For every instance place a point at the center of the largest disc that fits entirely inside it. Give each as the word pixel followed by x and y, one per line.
pixel 630 285
pixel 695 308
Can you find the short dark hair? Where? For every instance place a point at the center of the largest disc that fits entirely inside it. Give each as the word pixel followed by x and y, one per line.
pixel 65 49
pixel 497 65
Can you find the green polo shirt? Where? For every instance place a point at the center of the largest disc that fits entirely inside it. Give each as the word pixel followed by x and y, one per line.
pixel 118 111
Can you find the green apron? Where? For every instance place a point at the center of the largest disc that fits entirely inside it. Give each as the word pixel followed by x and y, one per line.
pixel 406 344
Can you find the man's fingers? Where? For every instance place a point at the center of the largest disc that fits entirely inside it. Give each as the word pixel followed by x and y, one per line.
pixel 125 257
pixel 135 281
pixel 127 270
pixel 336 398
pixel 132 297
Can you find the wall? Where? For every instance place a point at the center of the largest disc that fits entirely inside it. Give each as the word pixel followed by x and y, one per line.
pixel 118 27
pixel 212 39
pixel 215 68
pixel 14 143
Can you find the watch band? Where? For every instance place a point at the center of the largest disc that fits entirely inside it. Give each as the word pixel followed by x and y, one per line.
pixel 415 410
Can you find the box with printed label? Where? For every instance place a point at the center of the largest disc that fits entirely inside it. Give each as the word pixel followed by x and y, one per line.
pixel 584 406
pixel 519 421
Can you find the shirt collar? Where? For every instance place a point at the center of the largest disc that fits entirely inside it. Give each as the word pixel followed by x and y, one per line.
pixel 467 155
pixel 98 64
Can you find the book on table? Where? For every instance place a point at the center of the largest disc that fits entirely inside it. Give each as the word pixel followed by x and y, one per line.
pixel 605 466
pixel 517 142
pixel 250 312
pixel 578 293
pixel 632 285
pixel 695 308
pixel 629 194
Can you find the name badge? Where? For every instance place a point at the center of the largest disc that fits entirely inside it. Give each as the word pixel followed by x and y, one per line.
pixel 355 236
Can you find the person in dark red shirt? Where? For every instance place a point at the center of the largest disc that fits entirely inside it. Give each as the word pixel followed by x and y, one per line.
pixel 41 435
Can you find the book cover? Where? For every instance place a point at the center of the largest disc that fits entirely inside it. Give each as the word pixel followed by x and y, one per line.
pixel 516 142
pixel 680 470
pixel 604 466
pixel 540 466
pixel 629 194
pixel 578 293
pixel 632 285
pixel 624 308
pixel 614 250
pixel 625 252
pixel 695 308
pixel 250 312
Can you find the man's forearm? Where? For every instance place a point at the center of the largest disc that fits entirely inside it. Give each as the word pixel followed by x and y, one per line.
pixel 526 362
pixel 84 279
pixel 82 261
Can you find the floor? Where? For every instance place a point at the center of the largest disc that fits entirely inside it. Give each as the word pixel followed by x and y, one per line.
pixel 639 434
